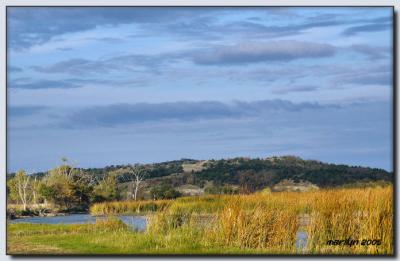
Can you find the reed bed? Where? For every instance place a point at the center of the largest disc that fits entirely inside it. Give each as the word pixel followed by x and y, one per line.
pixel 259 228
pixel 255 223
pixel 128 207
pixel 356 215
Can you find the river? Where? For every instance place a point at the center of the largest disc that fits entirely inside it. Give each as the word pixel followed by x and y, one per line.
pixel 136 222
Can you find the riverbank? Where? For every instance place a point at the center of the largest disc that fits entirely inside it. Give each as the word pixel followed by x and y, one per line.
pixel 16 211
pixel 30 214
pixel 38 239
pixel 262 223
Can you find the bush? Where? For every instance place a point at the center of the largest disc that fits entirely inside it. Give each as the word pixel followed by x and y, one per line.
pixel 164 191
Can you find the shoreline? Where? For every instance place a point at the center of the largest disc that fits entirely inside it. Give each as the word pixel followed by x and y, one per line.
pixel 13 217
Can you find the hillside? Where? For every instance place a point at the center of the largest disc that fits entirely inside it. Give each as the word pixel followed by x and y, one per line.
pixel 248 174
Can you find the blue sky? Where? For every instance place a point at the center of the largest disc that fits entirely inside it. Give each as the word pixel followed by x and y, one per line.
pixel 105 86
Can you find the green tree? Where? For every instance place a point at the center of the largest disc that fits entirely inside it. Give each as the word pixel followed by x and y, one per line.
pixel 68 187
pixel 164 191
pixel 107 188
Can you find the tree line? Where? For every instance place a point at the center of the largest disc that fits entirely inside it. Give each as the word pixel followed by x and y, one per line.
pixel 71 189
pixel 68 188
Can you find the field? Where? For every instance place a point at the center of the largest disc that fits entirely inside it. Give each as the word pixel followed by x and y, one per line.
pixel 260 223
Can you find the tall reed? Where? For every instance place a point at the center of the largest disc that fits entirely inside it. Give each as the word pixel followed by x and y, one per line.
pixel 128 207
pixel 355 214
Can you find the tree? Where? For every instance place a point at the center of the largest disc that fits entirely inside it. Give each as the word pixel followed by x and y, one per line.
pixel 57 188
pixel 107 188
pixel 135 175
pixel 68 187
pixel 21 186
pixel 12 191
pixel 35 187
pixel 165 191
pixel 138 176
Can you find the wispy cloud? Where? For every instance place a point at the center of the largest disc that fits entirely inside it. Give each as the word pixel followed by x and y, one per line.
pixel 13 69
pixel 21 111
pixel 354 30
pixel 253 52
pixel 42 84
pixel 296 88
pixel 30 25
pixel 372 52
pixel 368 79
pixel 132 63
pixel 121 114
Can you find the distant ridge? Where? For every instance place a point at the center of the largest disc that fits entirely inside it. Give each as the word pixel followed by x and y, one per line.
pixel 254 173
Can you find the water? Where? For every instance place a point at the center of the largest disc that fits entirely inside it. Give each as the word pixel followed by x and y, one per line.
pixel 301 240
pixel 136 222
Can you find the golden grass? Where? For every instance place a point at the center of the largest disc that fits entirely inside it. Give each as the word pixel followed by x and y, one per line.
pixel 259 228
pixel 355 214
pixel 128 207
pixel 267 222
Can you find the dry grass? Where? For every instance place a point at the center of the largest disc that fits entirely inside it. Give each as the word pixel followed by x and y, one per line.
pixel 272 220
pixel 259 228
pixel 353 214
pixel 256 223
pixel 128 207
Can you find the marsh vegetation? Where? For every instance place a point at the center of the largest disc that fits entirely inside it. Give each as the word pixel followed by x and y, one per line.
pixel 259 223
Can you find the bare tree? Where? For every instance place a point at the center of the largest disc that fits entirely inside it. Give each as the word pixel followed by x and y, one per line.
pixel 136 175
pixel 22 184
pixel 35 191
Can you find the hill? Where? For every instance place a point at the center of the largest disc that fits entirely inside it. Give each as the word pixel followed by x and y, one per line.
pixel 70 189
pixel 247 173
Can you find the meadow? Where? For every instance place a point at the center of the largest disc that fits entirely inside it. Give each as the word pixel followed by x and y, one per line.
pixel 260 223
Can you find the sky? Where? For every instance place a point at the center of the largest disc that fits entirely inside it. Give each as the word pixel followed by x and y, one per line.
pixel 124 85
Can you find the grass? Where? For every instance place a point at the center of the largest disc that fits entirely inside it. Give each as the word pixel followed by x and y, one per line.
pixel 363 214
pixel 128 207
pixel 260 223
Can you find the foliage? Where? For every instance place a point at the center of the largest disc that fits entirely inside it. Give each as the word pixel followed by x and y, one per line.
pixel 254 174
pixel 106 189
pixel 164 191
pixel 20 188
pixel 225 189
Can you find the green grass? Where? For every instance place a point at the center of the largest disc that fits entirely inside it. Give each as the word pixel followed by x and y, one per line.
pixel 261 223
pixel 86 239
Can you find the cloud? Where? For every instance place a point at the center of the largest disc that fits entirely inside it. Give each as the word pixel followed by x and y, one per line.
pixel 64 49
pixel 112 40
pixel 73 66
pixel 13 69
pixel 122 114
pixel 354 30
pixel 371 79
pixel 367 78
pixel 297 88
pixel 256 27
pixel 253 52
pixel 30 26
pixel 21 111
pixel 372 52
pixel 42 84
pixel 133 62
